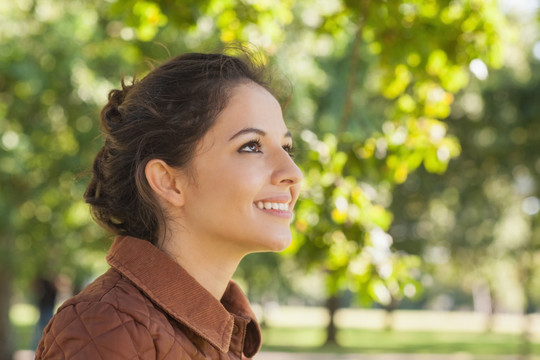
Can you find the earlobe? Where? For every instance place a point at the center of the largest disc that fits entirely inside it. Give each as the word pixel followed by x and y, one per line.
pixel 163 180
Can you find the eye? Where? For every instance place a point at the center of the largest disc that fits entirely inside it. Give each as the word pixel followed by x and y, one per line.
pixel 289 149
pixel 253 146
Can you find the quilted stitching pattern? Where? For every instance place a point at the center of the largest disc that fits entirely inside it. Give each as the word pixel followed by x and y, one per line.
pixel 116 323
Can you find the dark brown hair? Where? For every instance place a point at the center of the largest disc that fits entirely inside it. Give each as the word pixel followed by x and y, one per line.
pixel 163 116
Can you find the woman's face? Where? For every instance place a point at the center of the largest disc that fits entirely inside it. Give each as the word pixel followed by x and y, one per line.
pixel 244 182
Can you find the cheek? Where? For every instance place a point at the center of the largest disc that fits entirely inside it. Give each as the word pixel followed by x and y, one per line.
pixel 230 184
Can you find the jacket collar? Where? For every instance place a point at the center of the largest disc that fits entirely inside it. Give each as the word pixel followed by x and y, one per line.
pixel 182 297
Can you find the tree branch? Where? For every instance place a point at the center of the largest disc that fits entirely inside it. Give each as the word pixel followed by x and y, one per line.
pixel 353 70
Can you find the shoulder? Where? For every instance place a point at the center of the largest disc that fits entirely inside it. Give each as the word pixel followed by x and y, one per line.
pixel 110 319
pixel 95 330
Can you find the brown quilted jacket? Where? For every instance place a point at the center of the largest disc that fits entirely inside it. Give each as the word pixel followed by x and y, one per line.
pixel 147 307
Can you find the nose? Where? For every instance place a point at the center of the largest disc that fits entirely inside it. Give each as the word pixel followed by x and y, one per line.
pixel 286 172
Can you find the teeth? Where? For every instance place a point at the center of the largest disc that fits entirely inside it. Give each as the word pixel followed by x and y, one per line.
pixel 272 206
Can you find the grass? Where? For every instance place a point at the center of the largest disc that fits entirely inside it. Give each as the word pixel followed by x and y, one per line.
pixel 311 339
pixel 380 341
pixel 23 319
pixel 417 332
pixel 23 336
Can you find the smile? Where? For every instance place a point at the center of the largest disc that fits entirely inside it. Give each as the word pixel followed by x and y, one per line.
pixel 272 206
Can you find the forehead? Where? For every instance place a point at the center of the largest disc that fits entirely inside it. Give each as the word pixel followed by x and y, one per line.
pixel 251 105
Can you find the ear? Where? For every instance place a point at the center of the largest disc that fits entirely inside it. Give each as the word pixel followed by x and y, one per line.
pixel 163 179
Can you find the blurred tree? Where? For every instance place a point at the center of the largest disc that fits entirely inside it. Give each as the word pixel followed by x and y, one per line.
pixel 479 223
pixel 372 83
pixel 385 94
pixel 484 212
pixel 48 103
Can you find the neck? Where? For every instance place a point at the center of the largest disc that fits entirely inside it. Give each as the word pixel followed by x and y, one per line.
pixel 209 263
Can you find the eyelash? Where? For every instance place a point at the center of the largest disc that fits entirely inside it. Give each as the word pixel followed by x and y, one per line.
pixel 289 149
pixel 257 143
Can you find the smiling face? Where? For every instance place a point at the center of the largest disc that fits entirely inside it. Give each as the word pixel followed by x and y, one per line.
pixel 243 183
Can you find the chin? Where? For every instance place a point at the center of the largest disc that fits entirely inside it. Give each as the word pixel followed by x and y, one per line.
pixel 273 244
pixel 280 244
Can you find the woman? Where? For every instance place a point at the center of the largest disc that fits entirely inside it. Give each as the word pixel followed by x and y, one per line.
pixel 195 173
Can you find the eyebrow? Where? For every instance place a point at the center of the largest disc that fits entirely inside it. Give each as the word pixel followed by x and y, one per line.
pixel 256 131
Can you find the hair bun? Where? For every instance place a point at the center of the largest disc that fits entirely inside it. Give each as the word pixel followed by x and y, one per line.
pixel 111 113
pixel 113 117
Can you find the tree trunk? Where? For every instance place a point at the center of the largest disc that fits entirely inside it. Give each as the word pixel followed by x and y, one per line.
pixel 389 314
pixel 526 333
pixel 6 344
pixel 527 271
pixel 490 319
pixel 525 349
pixel 484 303
pixel 332 305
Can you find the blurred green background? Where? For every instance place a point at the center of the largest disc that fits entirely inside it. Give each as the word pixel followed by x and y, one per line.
pixel 417 126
